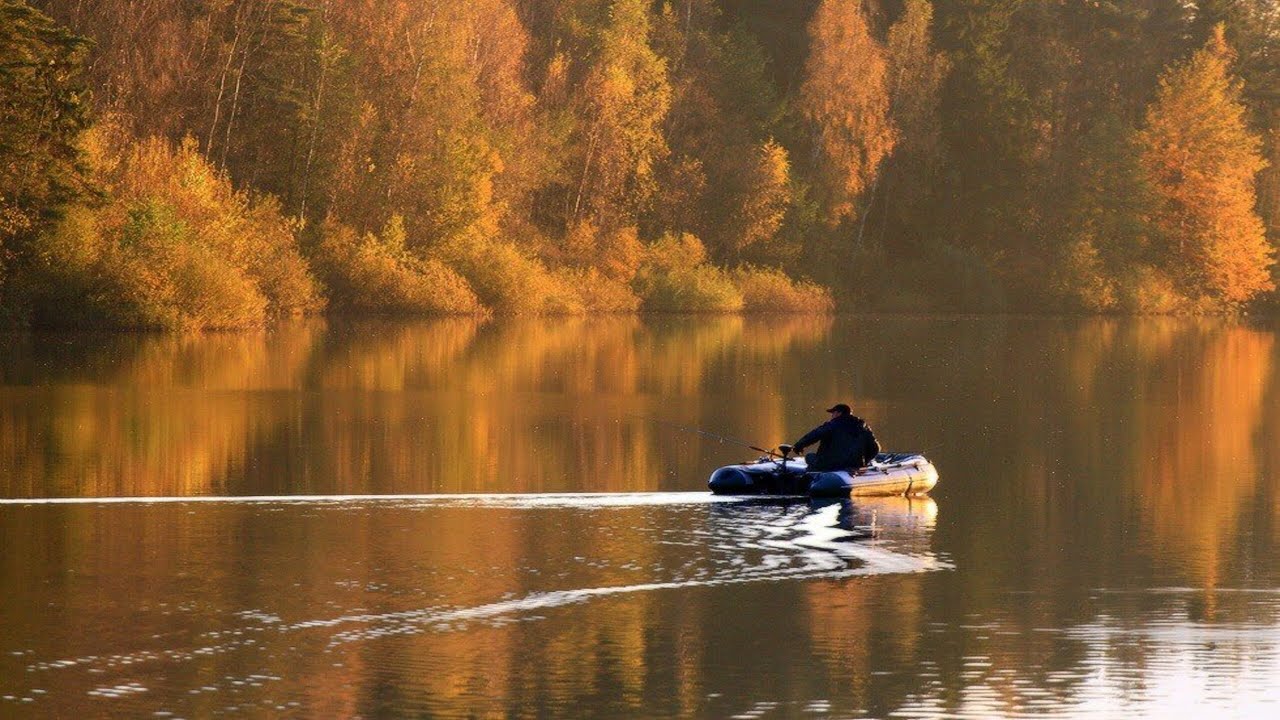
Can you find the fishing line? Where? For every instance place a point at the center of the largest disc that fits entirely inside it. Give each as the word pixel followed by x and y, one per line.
pixel 705 433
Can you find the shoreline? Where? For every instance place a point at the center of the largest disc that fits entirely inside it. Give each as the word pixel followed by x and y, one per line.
pixel 347 319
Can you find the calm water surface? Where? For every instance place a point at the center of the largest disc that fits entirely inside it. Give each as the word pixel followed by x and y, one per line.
pixel 1102 543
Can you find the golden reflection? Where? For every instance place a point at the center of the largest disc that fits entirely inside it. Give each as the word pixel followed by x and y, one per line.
pixel 148 414
pixel 436 406
pixel 383 356
pixel 1202 444
pixel 917 513
pixel 1118 437
pixel 1185 405
pixel 860 624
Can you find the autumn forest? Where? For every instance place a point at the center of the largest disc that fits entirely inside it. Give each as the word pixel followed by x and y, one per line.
pixel 198 164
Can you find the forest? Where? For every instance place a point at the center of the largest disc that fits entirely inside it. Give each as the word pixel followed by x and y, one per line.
pixel 200 164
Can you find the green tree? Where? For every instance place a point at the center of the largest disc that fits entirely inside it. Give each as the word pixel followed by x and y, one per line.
pixel 916 71
pixel 43 111
pixel 1203 159
pixel 1103 233
pixel 257 125
pixel 724 108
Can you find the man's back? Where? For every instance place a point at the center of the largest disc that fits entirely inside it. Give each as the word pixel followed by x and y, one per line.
pixel 841 443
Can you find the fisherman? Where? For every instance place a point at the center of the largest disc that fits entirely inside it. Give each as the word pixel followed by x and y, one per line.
pixel 844 442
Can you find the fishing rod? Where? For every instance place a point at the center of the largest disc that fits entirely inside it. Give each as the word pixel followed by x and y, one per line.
pixel 713 436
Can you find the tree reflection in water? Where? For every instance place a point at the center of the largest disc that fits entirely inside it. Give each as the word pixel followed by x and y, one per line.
pixel 1108 504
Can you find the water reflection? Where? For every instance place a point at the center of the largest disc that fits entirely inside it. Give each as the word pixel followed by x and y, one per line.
pixel 446 406
pixel 418 606
pixel 1106 526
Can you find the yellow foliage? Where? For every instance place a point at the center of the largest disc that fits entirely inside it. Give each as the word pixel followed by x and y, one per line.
pixel 700 289
pixel 250 232
pixel 598 293
pixel 616 254
pixel 145 271
pixel 1147 290
pixel 579 249
pixel 376 274
pixel 510 282
pixel 762 203
pixel 769 290
pixel 1081 281
pixel 620 253
pixel 627 94
pixel 845 98
pixel 170 245
pixel 674 252
pixel 675 277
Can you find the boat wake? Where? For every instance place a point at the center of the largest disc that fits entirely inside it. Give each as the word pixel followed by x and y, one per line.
pixel 821 544
pixel 531 501
pixel 724 542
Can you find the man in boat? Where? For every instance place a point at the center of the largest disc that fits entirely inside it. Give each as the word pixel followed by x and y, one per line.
pixel 844 442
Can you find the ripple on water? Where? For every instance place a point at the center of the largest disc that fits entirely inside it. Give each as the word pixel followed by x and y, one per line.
pixel 1187 667
pixel 718 542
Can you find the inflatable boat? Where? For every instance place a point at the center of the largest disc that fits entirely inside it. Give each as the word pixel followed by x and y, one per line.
pixel 889 474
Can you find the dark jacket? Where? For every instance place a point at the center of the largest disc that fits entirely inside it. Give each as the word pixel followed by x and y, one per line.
pixel 844 443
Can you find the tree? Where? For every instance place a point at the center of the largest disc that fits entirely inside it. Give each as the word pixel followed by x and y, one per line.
pixel 762 200
pixel 1202 160
pixel 987 125
pixel 1102 234
pixel 153 62
pixel 915 75
pixel 625 97
pixel 433 97
pixel 42 113
pixel 724 108
pixel 258 116
pixel 845 101
pixel 1269 178
pixel 1253 29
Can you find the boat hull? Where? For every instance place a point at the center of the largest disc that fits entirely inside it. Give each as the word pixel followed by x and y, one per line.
pixel 888 474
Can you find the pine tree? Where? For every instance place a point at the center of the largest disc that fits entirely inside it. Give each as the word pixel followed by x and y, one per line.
pixel 1203 160
pixel 42 113
pixel 989 127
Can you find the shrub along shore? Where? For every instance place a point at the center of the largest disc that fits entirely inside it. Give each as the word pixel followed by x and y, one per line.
pixel 166 242
pixel 198 165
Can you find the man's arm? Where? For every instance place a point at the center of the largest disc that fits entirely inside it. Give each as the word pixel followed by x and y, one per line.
pixel 811 437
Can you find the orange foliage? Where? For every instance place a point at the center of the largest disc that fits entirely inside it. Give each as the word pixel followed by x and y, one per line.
pixel 1203 160
pixel 845 97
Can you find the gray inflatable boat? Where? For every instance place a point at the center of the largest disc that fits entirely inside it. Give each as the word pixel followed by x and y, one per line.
pixel 888 474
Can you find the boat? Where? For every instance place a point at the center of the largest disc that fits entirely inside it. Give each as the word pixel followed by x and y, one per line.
pixel 780 474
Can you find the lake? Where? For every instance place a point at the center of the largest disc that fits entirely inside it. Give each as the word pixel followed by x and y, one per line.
pixel 1102 542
